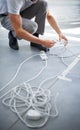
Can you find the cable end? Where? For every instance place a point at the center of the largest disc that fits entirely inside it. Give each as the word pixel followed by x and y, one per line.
pixel 33 114
pixel 43 55
pixel 64 78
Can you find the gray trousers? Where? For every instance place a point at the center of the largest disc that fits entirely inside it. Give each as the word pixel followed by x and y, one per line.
pixel 37 11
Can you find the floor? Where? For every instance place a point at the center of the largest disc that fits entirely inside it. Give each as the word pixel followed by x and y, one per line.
pixel 65 94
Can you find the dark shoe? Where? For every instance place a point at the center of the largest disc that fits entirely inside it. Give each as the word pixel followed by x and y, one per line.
pixel 40 47
pixel 13 41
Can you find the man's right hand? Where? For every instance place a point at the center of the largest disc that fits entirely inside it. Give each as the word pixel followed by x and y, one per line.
pixel 48 43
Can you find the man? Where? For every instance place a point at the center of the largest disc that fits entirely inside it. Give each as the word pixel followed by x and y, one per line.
pixel 16 16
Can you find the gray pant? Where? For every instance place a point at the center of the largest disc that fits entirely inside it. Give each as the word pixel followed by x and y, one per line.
pixel 37 10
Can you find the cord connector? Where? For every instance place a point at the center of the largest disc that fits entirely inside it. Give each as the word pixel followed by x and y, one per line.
pixel 33 114
pixel 43 55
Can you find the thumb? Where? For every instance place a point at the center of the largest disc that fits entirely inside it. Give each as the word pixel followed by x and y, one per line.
pixel 60 38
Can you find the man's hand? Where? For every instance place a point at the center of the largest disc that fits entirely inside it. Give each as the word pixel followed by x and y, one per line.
pixel 48 43
pixel 61 36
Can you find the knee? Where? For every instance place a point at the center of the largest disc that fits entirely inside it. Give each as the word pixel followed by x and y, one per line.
pixel 44 4
pixel 33 28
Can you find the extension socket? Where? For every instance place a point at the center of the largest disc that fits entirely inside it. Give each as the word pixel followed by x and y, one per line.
pixel 33 114
pixel 69 68
pixel 64 78
pixel 43 55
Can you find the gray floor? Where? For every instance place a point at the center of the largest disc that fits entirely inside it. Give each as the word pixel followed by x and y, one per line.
pixel 68 100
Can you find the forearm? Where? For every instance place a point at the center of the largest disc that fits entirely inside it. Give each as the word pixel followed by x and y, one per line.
pixel 28 36
pixel 52 21
pixel 55 26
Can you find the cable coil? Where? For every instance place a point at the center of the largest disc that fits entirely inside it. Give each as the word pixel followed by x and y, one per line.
pixel 24 97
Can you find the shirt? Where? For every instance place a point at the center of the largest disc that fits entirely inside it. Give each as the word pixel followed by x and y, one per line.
pixel 14 6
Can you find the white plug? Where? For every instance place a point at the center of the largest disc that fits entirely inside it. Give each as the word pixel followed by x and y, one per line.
pixel 33 114
pixel 43 55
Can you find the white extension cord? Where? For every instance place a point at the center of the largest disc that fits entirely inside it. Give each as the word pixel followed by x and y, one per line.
pixel 29 103
pixel 37 101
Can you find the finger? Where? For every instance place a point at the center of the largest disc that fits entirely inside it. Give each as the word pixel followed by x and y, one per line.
pixel 65 43
pixel 60 38
pixel 52 44
pixel 65 38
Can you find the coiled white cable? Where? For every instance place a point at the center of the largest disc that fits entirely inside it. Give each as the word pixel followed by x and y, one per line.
pixel 36 98
pixel 1 96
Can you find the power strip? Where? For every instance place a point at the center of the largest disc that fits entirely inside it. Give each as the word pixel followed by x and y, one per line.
pixel 43 55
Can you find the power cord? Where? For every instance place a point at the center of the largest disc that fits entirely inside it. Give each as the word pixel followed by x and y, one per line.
pixel 24 99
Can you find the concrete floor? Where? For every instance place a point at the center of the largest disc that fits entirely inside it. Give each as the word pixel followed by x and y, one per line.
pixel 68 101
